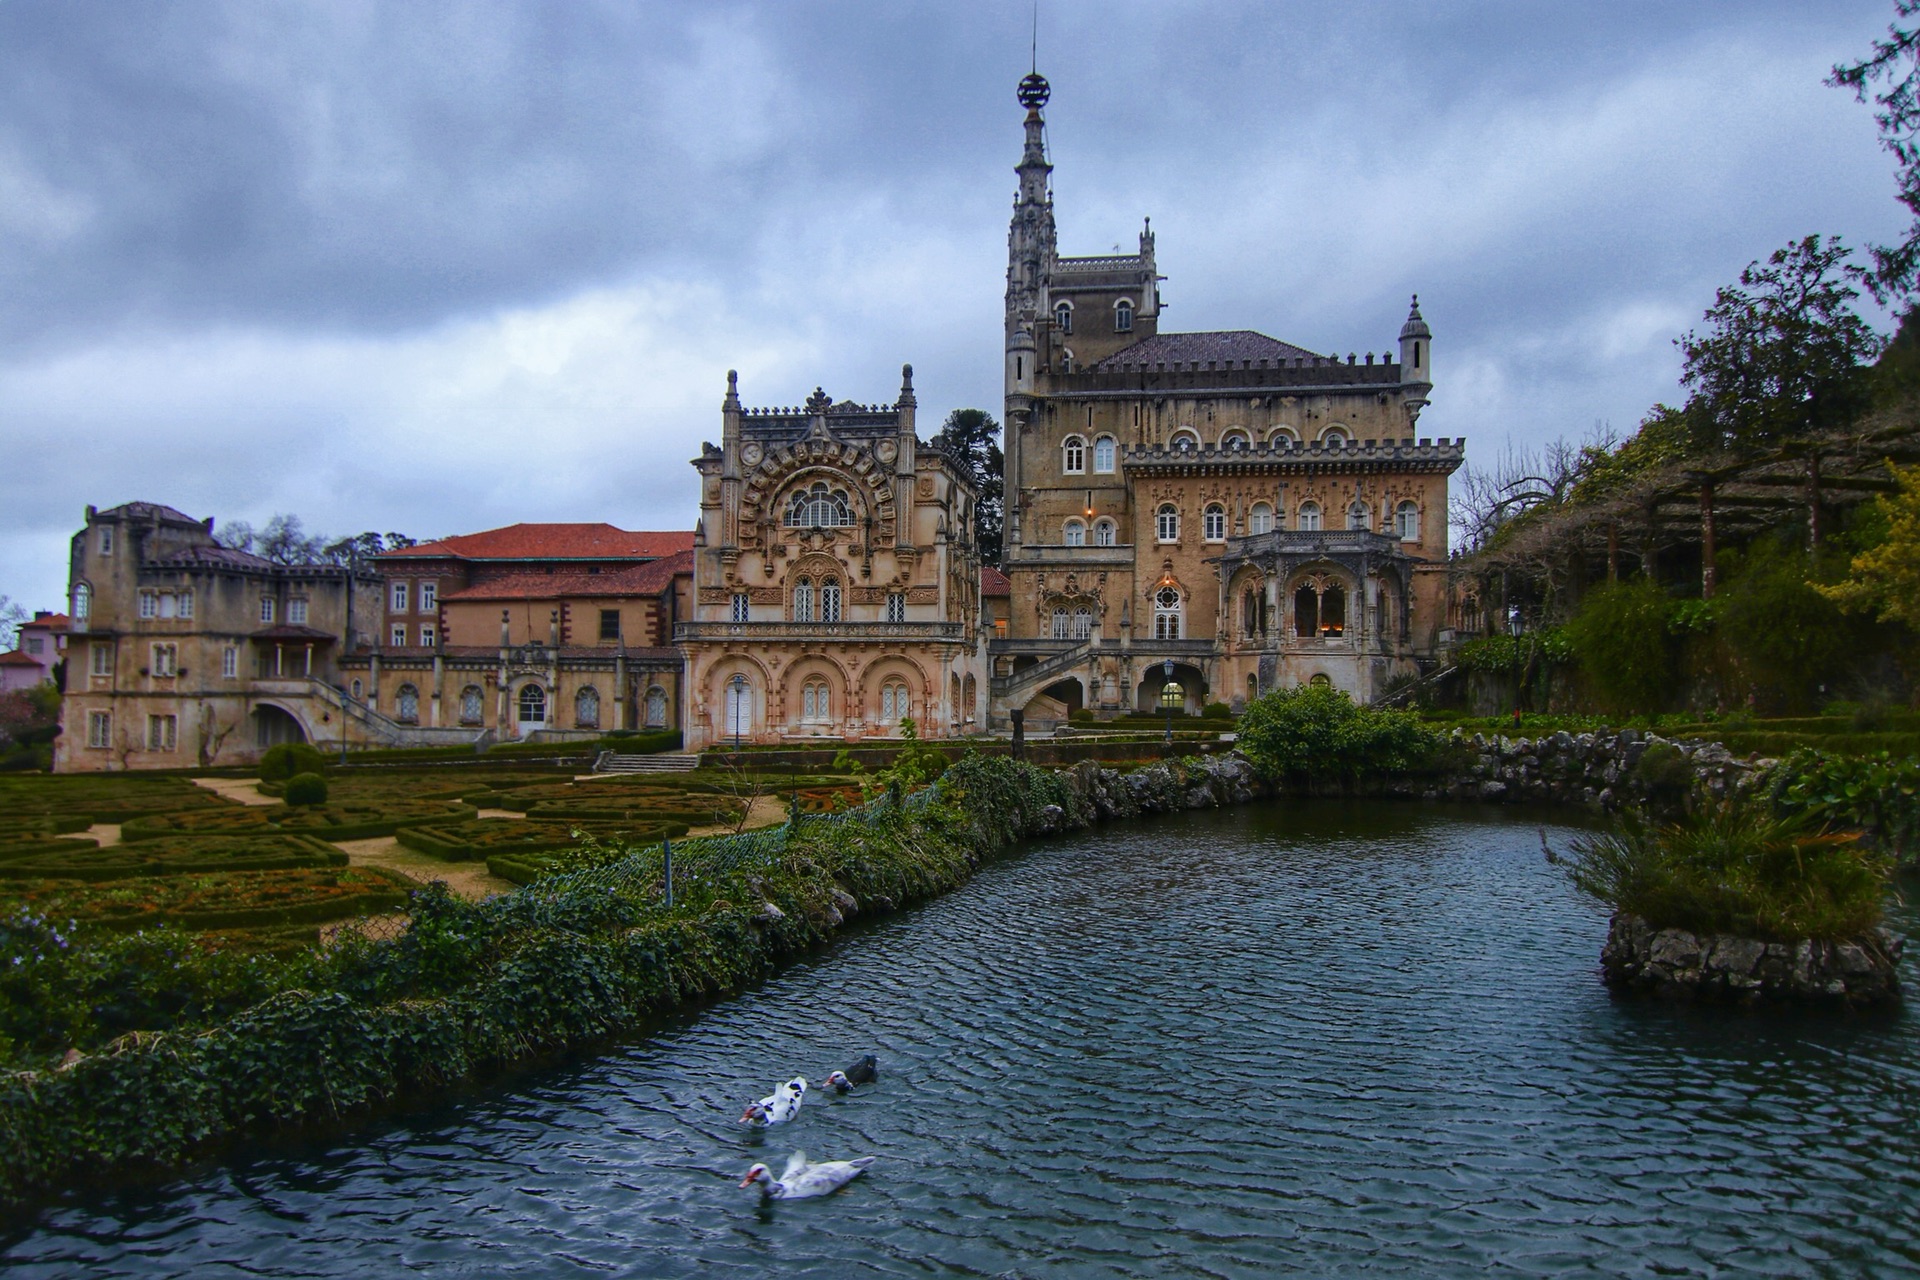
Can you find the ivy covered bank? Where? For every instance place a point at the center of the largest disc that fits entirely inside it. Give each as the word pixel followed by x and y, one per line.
pixel 470 988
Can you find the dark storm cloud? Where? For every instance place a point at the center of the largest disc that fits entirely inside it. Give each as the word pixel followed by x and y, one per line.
pixel 440 267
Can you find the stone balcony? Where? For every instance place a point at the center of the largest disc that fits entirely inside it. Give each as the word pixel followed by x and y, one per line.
pixel 851 632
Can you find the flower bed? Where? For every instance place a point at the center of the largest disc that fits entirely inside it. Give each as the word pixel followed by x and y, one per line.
pixel 474 841
pixel 214 900
pixel 828 799
pixel 168 855
pixel 330 821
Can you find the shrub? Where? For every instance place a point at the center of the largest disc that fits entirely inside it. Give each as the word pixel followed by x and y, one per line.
pixel 1083 716
pixel 1734 868
pixel 1317 732
pixel 1664 771
pixel 1878 794
pixel 283 761
pixel 306 788
pixel 1217 711
pixel 1624 646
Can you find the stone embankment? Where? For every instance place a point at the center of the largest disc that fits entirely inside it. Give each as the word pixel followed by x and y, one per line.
pixel 1675 963
pixel 1610 771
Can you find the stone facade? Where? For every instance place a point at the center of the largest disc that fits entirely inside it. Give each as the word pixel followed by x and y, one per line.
pixel 1251 512
pixel 836 587
pixel 182 652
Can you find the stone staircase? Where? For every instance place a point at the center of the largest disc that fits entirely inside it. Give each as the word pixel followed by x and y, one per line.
pixel 662 762
pixel 1012 690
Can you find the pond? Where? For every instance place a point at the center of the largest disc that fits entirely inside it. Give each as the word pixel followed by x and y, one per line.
pixel 1313 1039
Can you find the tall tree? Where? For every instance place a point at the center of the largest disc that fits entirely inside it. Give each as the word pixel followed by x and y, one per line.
pixel 1784 352
pixel 971 438
pixel 285 541
pixel 1894 63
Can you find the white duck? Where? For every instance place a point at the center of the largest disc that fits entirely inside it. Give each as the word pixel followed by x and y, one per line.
pixel 778 1107
pixel 800 1179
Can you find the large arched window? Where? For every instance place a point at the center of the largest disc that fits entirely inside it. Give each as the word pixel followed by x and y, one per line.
pixel 819 507
pixel 1173 696
pixel 1103 532
pixel 1407 521
pixel 586 708
pixel 1260 518
pixel 1166 614
pixel 1123 316
pixel 1082 623
pixel 1310 517
pixel 1333 611
pixel 82 601
pixel 1213 523
pixel 533 705
pixel 1166 523
pixel 1059 629
pixel 803 600
pixel 1359 515
pixel 815 702
pixel 895 703
pixel 829 600
pixel 1073 458
pixel 1074 534
pixel 1063 316
pixel 406 704
pixel 1103 454
pixel 471 704
pixel 656 708
pixel 1250 612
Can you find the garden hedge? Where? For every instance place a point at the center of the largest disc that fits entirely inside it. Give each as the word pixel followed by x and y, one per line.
pixel 478 841
pixel 331 822
pixel 169 855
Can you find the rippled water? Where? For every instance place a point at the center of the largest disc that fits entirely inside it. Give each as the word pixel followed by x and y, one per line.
pixel 1303 1040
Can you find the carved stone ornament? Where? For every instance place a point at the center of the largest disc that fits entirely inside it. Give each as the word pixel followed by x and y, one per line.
pixel 887 450
pixel 750 454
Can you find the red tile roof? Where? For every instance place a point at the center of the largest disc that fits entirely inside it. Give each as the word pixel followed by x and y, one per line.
pixel 53 621
pixel 641 580
pixel 19 659
pixel 551 542
pixel 993 582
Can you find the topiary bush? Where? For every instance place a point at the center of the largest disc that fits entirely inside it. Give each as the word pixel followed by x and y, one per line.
pixel 1217 711
pixel 281 762
pixel 1317 733
pixel 306 788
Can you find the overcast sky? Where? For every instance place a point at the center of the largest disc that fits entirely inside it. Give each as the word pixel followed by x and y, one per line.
pixel 441 267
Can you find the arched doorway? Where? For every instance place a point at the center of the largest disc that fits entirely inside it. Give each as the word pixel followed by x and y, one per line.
pixel 272 726
pixel 531 708
pixel 737 721
pixel 1185 692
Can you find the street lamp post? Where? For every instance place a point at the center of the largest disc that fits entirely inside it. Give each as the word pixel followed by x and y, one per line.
pixel 1166 669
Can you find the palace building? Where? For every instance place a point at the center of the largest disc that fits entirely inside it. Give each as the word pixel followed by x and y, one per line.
pixel 836 582
pixel 1200 517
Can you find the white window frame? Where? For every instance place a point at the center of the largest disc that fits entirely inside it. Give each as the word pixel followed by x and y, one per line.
pixel 803 600
pixel 829 600
pixel 149 605
pixel 99 729
pixel 406 704
pixel 1104 531
pixel 100 661
pixel 1073 533
pixel 1260 518
pixel 473 704
pixel 1166 523
pixel 82 601
pixel 1169 610
pixel 397 598
pixel 1213 523
pixel 1185 440
pixel 1123 316
pixel 297 613
pixel 1236 440
pixel 1359 516
pixel 896 606
pixel 163 732
pixel 740 607
pixel 1283 435
pixel 1063 316
pixel 816 701
pixel 266 609
pixel 1105 452
pixel 186 604
pixel 1407 521
pixel 586 700
pixel 230 663
pixel 164 662
pixel 896 703
pixel 1073 455
pixel 427 633
pixel 1058 629
pixel 397 635
pixel 656 697
pixel 1082 623
pixel 1308 520
pixel 429 596
pixel 1336 436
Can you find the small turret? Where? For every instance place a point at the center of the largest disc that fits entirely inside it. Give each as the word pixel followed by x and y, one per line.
pixel 1416 361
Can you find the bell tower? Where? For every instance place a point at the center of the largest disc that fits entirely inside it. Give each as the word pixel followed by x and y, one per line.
pixel 1031 249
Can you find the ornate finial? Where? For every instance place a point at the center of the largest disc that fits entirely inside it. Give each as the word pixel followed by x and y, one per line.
pixel 819 402
pixel 1416 326
pixel 1033 91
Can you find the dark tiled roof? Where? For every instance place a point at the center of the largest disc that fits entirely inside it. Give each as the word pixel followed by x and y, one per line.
pixel 993 582
pixel 213 558
pixel 288 631
pixel 1188 348
pixel 146 511
pixel 641 580
pixel 551 542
